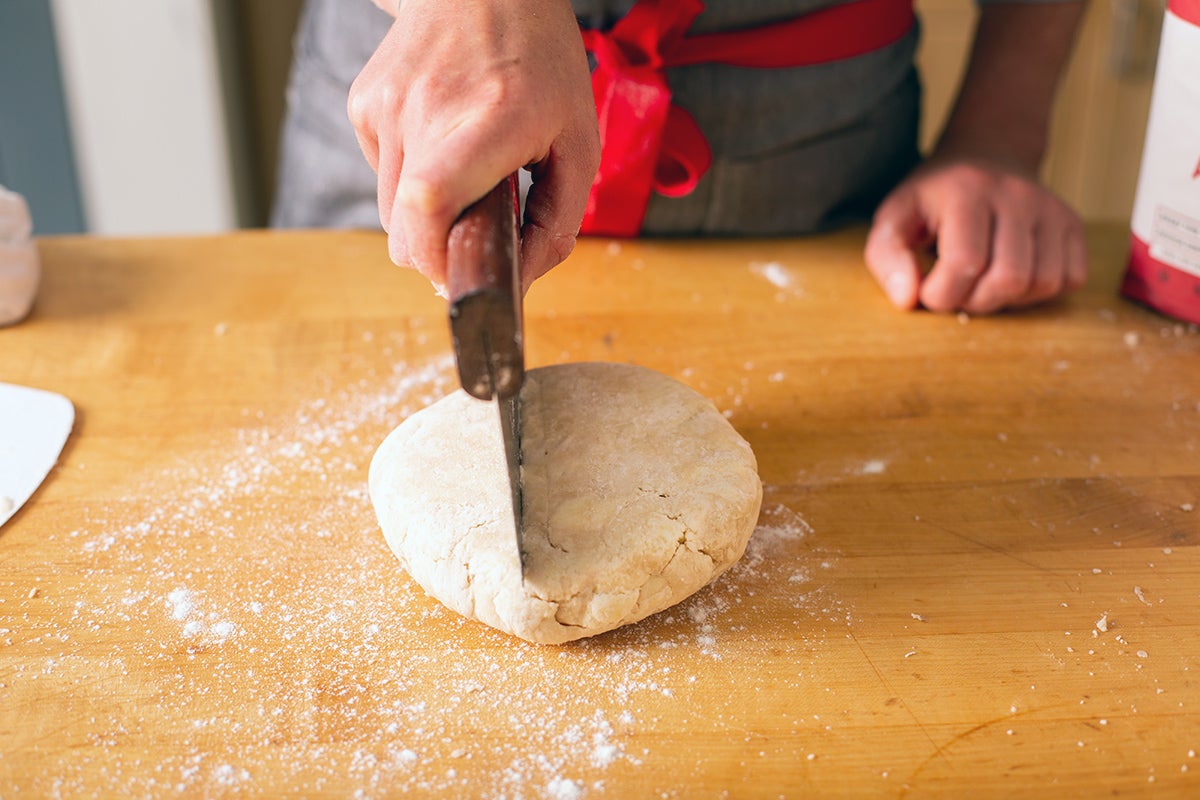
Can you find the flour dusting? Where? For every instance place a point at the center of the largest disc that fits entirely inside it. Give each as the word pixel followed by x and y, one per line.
pixel 874 466
pixel 315 629
pixel 779 276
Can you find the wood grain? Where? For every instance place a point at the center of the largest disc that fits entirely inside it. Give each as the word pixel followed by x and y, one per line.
pixel 198 601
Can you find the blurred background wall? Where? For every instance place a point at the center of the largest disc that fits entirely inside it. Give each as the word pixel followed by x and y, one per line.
pixel 129 117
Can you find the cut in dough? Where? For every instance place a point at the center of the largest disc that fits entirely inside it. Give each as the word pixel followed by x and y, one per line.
pixel 637 493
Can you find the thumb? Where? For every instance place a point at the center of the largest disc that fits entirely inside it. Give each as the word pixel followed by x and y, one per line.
pixel 897 232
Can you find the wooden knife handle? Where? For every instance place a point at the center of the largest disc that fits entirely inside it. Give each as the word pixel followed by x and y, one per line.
pixel 481 252
pixel 483 280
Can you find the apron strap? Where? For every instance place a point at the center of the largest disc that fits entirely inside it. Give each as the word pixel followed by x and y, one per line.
pixel 648 143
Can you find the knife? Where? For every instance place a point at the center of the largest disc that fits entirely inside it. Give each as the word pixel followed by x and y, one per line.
pixel 483 281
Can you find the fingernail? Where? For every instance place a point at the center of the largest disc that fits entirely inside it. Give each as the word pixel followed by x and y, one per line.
pixel 898 288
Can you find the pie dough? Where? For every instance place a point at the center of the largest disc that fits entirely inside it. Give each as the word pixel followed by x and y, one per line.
pixel 19 266
pixel 637 492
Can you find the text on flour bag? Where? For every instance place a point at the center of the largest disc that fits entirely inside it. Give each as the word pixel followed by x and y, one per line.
pixel 1164 256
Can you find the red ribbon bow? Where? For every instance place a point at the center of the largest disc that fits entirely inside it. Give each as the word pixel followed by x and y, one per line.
pixel 650 144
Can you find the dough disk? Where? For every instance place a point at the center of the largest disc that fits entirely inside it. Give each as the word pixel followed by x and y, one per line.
pixel 637 493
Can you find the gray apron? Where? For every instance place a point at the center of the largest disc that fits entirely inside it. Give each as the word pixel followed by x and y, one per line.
pixel 794 150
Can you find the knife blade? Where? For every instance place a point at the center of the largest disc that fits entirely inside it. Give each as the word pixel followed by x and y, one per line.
pixel 483 281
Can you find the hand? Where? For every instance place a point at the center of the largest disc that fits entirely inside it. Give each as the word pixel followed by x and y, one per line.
pixel 1002 239
pixel 458 96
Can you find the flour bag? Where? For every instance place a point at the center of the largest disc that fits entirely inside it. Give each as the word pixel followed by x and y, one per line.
pixel 1164 257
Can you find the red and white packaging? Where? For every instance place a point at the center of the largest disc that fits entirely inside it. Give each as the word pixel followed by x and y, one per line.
pixel 1164 256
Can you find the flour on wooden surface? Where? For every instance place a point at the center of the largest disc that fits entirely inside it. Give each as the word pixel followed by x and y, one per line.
pixel 316 628
pixel 872 466
pixel 779 276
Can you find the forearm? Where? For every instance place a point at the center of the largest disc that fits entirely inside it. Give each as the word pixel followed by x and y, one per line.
pixel 1003 108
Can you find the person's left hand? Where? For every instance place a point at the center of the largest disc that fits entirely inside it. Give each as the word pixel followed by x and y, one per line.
pixel 1002 240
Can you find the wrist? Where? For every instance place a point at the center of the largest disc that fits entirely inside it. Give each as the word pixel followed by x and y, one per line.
pixel 1002 113
pixel 1021 154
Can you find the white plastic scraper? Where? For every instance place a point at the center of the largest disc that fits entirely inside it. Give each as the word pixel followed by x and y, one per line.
pixel 34 426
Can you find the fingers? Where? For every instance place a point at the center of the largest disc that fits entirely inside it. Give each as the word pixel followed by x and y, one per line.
pixel 1050 265
pixel 1009 275
pixel 556 202
pixel 1038 254
pixel 451 103
pixel 1003 241
pixel 387 174
pixel 429 167
pixel 897 232
pixel 964 252
pixel 369 101
pixel 442 175
pixel 1077 256
pixel 358 108
pixel 374 110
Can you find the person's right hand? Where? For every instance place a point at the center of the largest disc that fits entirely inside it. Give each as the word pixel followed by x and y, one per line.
pixel 458 96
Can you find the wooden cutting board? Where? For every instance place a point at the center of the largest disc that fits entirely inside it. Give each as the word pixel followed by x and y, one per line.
pixel 976 570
